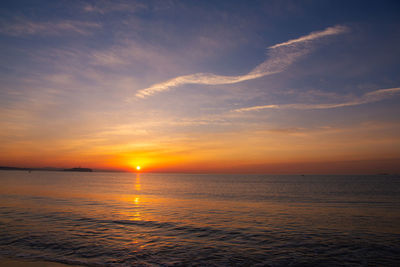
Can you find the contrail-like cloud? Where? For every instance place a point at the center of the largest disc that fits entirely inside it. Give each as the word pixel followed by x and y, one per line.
pixel 370 97
pixel 314 35
pixel 280 56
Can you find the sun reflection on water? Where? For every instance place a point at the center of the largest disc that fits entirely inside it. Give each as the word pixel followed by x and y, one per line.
pixel 138 186
pixel 136 214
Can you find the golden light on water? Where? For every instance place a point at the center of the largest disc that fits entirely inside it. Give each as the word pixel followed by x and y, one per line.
pixel 137 182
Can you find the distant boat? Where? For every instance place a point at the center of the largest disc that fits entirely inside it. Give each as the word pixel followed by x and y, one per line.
pixel 78 170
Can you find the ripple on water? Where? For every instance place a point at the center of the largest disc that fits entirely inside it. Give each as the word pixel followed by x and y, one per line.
pixel 258 222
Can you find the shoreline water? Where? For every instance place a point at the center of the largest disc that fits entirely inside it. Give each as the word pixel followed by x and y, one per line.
pixel 13 262
pixel 120 219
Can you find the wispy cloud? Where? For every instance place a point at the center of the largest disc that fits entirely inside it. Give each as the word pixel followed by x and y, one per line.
pixel 22 26
pixel 103 7
pixel 280 56
pixel 370 97
pixel 314 35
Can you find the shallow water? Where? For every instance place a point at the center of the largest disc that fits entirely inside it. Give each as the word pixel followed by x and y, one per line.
pixel 124 219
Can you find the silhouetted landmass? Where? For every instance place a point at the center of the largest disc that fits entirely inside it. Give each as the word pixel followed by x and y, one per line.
pixel 10 168
pixel 6 168
pixel 54 169
pixel 78 170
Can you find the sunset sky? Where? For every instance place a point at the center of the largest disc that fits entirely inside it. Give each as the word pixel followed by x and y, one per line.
pixel 201 86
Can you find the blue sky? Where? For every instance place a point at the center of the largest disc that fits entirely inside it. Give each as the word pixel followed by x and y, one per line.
pixel 184 84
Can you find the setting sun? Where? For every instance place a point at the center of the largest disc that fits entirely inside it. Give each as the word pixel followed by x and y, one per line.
pixel 268 132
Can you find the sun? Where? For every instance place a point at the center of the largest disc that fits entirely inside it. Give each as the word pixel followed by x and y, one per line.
pixel 138 168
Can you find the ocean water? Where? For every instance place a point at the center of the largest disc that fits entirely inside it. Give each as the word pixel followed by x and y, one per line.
pixel 128 219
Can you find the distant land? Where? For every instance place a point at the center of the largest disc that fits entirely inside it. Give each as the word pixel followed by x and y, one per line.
pixel 79 169
pixel 6 168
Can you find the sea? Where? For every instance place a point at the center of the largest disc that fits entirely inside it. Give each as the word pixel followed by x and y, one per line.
pixel 152 219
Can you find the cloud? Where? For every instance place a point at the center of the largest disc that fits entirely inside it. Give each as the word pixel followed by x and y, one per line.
pixel 280 56
pixel 370 97
pixel 103 7
pixel 22 26
pixel 314 35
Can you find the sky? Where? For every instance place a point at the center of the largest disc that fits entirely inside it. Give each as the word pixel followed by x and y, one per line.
pixel 278 87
